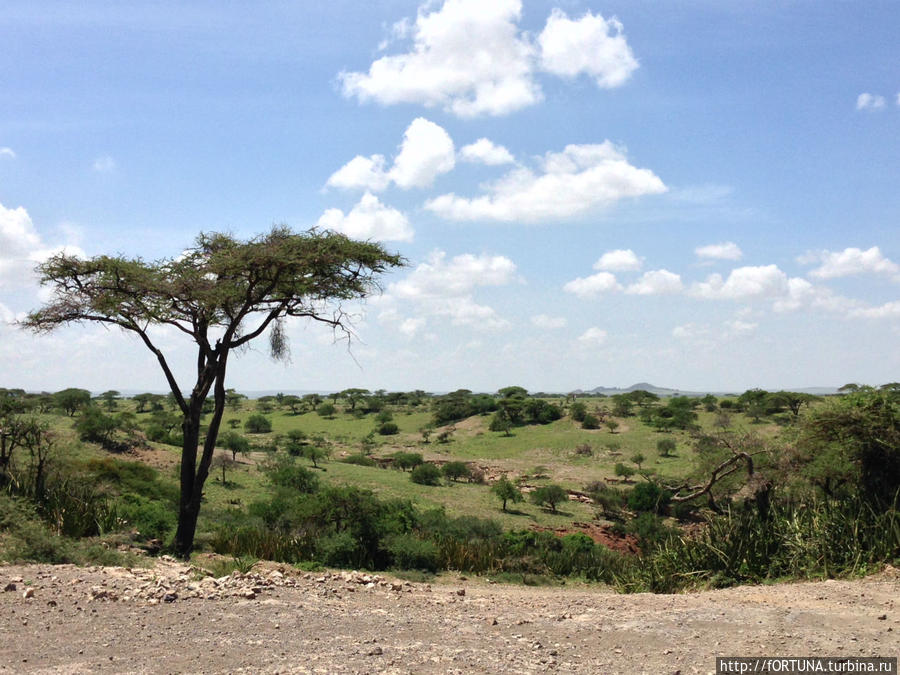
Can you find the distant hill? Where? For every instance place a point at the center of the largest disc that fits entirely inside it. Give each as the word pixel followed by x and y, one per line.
pixel 666 391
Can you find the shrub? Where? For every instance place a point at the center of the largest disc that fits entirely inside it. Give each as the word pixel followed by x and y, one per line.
pixel 153 520
pixel 258 424
pixel 578 411
pixel 590 422
pixel 426 474
pixel 359 460
pixel 506 491
pixel 412 553
pixel 624 471
pixel 648 497
pixel 388 429
pixel 326 410
pixel 283 471
pixel 584 450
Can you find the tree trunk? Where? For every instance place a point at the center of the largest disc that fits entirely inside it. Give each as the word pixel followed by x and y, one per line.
pixel 187 511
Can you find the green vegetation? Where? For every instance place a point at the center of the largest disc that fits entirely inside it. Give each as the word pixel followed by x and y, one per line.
pixel 791 496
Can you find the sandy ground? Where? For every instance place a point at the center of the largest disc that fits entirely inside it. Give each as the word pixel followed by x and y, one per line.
pixel 114 620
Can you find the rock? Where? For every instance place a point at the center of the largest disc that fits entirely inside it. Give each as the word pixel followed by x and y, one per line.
pixel 248 594
pixel 29 593
pixel 377 651
pixel 170 597
pixel 9 587
pixel 461 592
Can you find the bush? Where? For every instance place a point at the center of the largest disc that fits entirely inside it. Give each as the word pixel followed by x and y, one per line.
pixel 283 471
pixel 578 411
pixel 258 424
pixel 388 429
pixel 426 474
pixel 412 553
pixel 648 497
pixel 153 520
pixel 359 460
pixel 590 422
pixel 326 410
pixel 665 447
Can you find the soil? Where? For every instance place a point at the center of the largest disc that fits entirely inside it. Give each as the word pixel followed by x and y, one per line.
pixel 168 619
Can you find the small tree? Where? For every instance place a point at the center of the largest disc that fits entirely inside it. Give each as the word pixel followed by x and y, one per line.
pixel 234 443
pixel 222 461
pixel 317 450
pixel 72 400
pixel 578 410
pixel 665 447
pixel 506 491
pixel 456 471
pixel 624 471
pixel 95 426
pixel 500 422
pixel 258 424
pixel 426 474
pixel 295 442
pixel 407 460
pixel 638 458
pixel 389 429
pixel 612 425
pixel 549 496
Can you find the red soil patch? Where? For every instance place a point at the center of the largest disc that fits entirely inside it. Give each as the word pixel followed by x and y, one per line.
pixel 601 534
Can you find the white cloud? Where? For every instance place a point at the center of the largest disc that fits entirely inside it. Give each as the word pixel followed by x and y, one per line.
pixel 484 151
pixel 656 282
pixel 867 101
pixel 724 251
pixel 369 219
pixel 361 172
pixel 591 45
pixel 738 328
pixel 104 164
pixel 744 283
pixel 470 58
pixel 572 182
pixel 467 57
pixel 889 310
pixel 426 152
pixel 7 152
pixel 589 287
pixel 690 331
pixel 546 322
pixel 445 288
pixel 851 262
pixel 593 336
pixel 619 261
pixel 410 327
pixel 21 248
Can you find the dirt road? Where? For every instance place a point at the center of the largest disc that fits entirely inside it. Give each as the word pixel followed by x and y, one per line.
pixel 167 620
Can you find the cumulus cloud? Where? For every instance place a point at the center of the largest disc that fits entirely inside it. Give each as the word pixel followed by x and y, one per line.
pixel 484 151
pixel 744 283
pixel 690 331
pixel 656 282
pixel 104 164
pixel 851 262
pixel 361 172
pixel 467 57
pixel 725 251
pixel 568 183
pixel 445 288
pixel 592 286
pixel 867 101
pixel 369 219
pixel 471 58
pixel 593 336
pixel 739 328
pixel 619 261
pixel 591 45
pixel 426 152
pixel 889 310
pixel 546 322
pixel 7 152
pixel 21 248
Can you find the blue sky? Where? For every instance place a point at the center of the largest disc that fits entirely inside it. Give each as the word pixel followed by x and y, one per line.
pixel 703 195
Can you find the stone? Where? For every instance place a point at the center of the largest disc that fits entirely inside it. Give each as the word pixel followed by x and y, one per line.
pixel 29 593
pixel 10 587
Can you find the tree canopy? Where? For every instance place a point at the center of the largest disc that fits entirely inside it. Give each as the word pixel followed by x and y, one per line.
pixel 221 294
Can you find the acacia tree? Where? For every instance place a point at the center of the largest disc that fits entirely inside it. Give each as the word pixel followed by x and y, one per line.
pixel 221 294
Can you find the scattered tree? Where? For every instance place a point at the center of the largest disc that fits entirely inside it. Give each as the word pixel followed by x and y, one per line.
pixel 550 496
pixel 456 471
pixel 258 424
pixel 212 293
pixel 426 474
pixel 506 491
